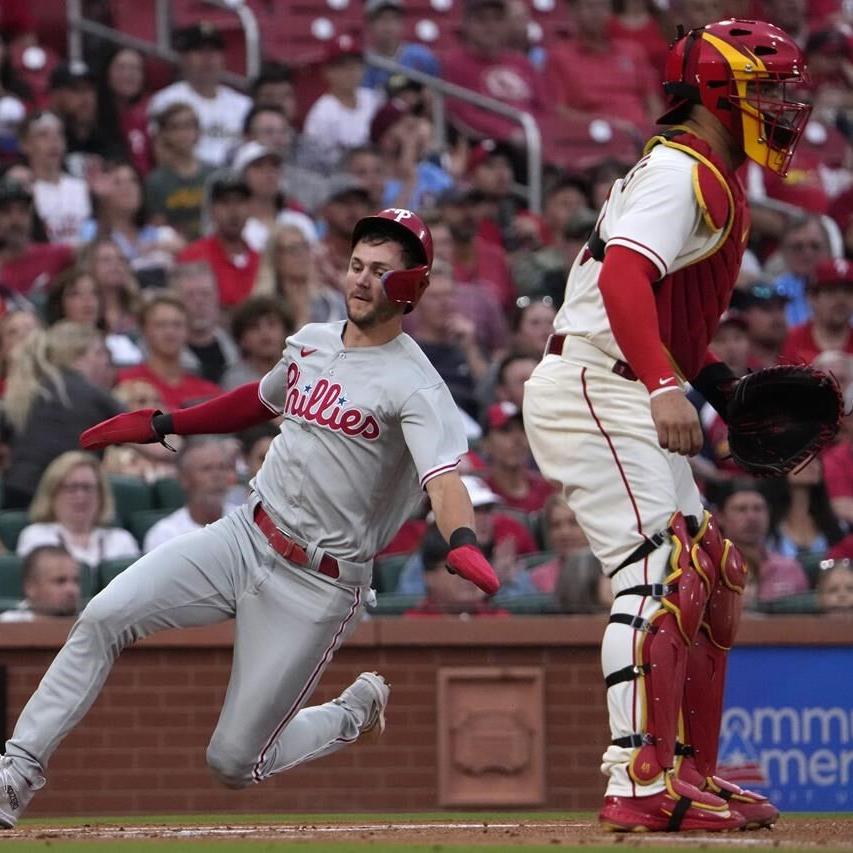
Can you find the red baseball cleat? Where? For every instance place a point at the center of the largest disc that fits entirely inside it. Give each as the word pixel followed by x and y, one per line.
pixel 680 808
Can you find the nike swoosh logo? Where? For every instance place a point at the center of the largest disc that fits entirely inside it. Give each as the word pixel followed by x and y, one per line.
pixel 306 351
pixel 665 381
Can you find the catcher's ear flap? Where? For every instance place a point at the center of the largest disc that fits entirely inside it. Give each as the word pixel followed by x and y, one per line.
pixel 406 286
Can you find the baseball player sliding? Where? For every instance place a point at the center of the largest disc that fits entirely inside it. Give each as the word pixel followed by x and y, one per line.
pixel 607 416
pixel 368 424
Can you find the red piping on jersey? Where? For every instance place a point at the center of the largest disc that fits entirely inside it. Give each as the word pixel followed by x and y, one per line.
pixel 230 412
pixel 309 685
pixel 625 282
pixel 442 469
pixel 658 260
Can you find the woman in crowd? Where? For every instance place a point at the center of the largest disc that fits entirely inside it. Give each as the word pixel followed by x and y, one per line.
pixel 55 390
pixel 803 525
pixel 118 287
pixel 15 328
pixel 73 507
pixel 288 271
pixel 531 324
pixel 122 106
pixel 835 588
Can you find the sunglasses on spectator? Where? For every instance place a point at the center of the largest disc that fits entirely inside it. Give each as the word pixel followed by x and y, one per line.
pixel 828 565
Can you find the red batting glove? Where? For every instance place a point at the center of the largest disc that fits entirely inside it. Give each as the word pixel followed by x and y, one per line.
pixel 468 562
pixel 127 428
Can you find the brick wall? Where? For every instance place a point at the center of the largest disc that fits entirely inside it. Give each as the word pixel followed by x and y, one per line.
pixel 141 748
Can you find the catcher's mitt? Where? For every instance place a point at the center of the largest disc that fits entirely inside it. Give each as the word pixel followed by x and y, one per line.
pixel 779 418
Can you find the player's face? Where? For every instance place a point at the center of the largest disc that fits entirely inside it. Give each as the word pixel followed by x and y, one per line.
pixel 55 588
pixel 367 304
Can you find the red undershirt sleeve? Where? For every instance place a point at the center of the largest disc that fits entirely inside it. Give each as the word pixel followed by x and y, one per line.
pixel 625 282
pixel 230 412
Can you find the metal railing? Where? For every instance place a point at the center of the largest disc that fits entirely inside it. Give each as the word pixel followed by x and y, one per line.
pixel 442 90
pixel 162 47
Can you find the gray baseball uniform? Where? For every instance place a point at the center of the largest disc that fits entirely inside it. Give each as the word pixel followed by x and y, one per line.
pixel 364 430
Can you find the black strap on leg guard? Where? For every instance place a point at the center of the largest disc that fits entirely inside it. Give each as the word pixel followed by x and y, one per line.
pixel 627 673
pixel 642 551
pixel 635 622
pixel 678 813
pixel 634 741
pixel 655 590
pixel 684 749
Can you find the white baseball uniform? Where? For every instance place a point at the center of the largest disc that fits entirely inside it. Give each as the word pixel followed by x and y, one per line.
pixel 364 430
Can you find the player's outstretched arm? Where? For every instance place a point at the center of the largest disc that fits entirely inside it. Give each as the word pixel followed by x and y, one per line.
pixel 454 516
pixel 231 412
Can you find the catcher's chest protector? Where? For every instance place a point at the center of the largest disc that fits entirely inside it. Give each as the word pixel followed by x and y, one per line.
pixel 691 300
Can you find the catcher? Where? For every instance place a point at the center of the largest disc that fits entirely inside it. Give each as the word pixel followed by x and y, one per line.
pixel 607 417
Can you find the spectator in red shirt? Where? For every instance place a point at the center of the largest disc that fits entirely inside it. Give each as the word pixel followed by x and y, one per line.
pixel 164 327
pixel 595 76
pixel 485 64
pixel 637 21
pixel 25 267
pixel 233 262
pixel 475 259
pixel 763 307
pixel 830 294
pixel 507 452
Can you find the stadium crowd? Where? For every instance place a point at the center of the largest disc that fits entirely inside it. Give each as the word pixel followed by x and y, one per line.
pixel 158 245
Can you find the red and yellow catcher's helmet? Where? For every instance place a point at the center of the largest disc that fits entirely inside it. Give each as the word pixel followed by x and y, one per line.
pixel 741 70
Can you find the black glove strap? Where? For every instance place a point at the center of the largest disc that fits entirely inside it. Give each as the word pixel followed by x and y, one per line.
pixel 714 382
pixel 162 425
pixel 463 536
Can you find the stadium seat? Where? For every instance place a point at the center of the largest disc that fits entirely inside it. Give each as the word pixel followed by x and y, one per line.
pixel 8 603
pixel 168 494
pixel 143 520
pixel 131 495
pixel 10 576
pixel 804 602
pixel 110 569
pixel 12 522
pixel 386 572
pixel 531 561
pixel 529 605
pixel 390 604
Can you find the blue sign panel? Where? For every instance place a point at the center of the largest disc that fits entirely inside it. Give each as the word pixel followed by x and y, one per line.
pixel 788 725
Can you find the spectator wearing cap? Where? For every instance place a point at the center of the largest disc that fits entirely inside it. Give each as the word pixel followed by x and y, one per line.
pixel 123 106
pixel 220 109
pixel 618 81
pixel 403 135
pixel 475 259
pixel 450 340
pixel 346 202
pixel 507 453
pixel 165 333
pixel 73 97
pixel 486 64
pixel 61 201
pixel 763 307
pixel 262 170
pixel 384 24
pixel 502 538
pixel 830 295
pixel 340 118
pixel 289 274
pixel 233 261
pixel 174 191
pixel 446 592
pixel 805 243
pixel 259 326
pixel 25 267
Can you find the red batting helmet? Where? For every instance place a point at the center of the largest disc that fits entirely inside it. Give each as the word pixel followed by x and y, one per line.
pixel 403 286
pixel 738 70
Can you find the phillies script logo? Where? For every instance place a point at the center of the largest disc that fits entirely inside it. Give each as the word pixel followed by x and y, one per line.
pixel 323 403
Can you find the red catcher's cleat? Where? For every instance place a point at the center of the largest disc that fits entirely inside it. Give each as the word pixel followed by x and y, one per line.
pixel 680 808
pixel 758 811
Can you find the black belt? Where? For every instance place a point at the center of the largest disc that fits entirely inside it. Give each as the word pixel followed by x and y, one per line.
pixel 620 368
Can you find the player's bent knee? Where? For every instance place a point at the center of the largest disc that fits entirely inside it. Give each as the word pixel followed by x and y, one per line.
pixel 229 767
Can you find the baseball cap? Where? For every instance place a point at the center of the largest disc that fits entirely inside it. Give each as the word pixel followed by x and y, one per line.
pixel 499 415
pixel 342 47
pixel 473 5
pixel 11 190
pixel 68 74
pixel 733 317
pixel 228 182
pixel 834 272
pixel 251 152
pixel 759 293
pixel 386 117
pixel 342 185
pixel 486 149
pixel 197 36
pixel 481 495
pixel 374 7
pixel 399 83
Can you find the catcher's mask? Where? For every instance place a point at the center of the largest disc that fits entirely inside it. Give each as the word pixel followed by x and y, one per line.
pixel 742 71
pixel 406 286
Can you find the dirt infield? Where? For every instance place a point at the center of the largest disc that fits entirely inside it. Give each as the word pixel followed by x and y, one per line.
pixel 792 833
